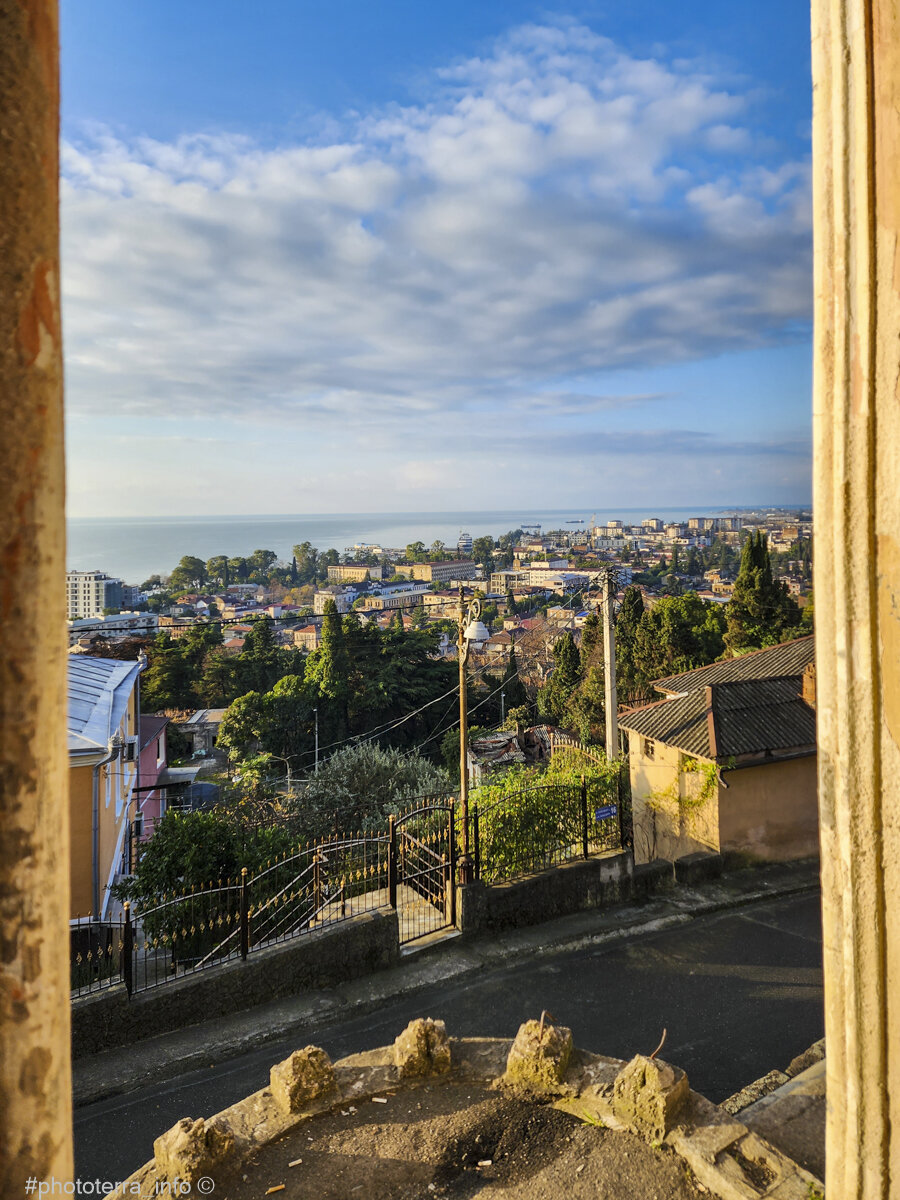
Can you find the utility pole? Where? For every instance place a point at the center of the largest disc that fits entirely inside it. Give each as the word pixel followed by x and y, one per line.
pixel 609 666
pixel 316 712
pixel 503 708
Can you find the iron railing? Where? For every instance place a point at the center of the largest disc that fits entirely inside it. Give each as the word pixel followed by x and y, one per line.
pixel 148 945
pixel 541 827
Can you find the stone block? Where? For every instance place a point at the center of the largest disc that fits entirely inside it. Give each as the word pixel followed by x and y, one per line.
pixel 648 1096
pixel 193 1148
pixel 422 1049
pixel 539 1057
pixel 698 867
pixel 299 1080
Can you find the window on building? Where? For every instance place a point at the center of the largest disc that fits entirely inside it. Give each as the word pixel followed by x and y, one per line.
pixel 649 748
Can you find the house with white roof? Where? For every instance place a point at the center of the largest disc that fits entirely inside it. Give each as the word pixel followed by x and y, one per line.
pixel 103 721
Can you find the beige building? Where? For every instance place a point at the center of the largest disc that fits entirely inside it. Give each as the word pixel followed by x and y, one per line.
pixel 443 572
pixel 354 572
pixel 307 638
pixel 103 751
pixel 727 761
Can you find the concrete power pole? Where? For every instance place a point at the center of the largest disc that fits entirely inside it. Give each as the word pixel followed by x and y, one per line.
pixel 609 666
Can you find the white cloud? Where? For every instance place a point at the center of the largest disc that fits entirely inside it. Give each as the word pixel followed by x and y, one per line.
pixel 557 209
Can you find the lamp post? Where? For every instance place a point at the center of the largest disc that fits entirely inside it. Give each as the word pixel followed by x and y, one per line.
pixel 471 629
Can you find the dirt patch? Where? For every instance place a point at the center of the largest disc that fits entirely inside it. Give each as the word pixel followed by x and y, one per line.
pixel 454 1141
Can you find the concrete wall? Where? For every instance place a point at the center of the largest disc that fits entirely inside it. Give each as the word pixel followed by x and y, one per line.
pixel 320 959
pixel 80 841
pixel 667 821
pixel 771 812
pixel 589 883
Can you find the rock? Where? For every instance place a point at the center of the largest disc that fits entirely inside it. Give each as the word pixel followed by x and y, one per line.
pixel 539 1057
pixel 192 1149
pixel 302 1078
pixel 648 1096
pixel 422 1049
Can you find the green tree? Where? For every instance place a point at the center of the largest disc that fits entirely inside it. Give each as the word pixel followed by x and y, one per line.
pixel 168 681
pixel 591 641
pixel 359 786
pixel 190 573
pixel 483 552
pixel 553 698
pixel 217 569
pixel 627 681
pixel 761 611
pixel 415 552
pixel 238 569
pixel 677 634
pixel 328 670
pixel 261 561
pixel 513 688
pixel 306 557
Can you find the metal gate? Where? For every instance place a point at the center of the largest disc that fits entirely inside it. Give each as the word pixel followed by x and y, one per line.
pixel 422 870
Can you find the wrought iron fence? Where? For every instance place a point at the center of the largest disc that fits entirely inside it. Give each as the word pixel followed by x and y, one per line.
pixel 532 829
pixel 544 826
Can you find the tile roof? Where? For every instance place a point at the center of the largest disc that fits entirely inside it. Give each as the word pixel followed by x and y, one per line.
pixel 787 658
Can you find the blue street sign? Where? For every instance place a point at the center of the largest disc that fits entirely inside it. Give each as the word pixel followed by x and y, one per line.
pixel 608 810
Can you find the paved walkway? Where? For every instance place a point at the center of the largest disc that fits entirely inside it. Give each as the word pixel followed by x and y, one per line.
pixel 448 960
pixel 739 991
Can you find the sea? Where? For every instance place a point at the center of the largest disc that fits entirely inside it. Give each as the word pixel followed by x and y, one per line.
pixel 134 548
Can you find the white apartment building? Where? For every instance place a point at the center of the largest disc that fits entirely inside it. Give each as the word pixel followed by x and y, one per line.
pixel 343 598
pixel 89 592
pixel 115 626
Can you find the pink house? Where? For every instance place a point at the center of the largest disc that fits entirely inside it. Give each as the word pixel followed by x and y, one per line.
pixel 153 761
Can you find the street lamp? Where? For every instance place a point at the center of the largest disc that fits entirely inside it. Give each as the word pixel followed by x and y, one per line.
pixel 471 629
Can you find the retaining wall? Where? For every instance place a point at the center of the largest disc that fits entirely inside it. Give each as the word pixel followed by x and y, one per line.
pixel 358 946
pixel 573 887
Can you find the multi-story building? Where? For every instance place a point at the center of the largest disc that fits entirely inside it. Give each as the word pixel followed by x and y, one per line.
pixel 343 598
pixel 443 572
pixel 653 525
pixel 502 581
pixel 88 593
pixel 117 625
pixel 354 572
pixel 307 638
pixel 399 598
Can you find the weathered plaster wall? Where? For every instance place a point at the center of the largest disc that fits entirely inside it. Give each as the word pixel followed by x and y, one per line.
pixel 574 887
pixel 80 841
pixel 856 206
pixel 35 1126
pixel 664 827
pixel 771 812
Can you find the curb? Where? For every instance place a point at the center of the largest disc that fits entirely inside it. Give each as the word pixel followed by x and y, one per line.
pixel 155 1060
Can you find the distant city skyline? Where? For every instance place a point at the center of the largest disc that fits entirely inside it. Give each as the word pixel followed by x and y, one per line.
pixel 321 259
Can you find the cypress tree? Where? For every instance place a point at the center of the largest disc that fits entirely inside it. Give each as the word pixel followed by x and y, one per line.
pixel 761 611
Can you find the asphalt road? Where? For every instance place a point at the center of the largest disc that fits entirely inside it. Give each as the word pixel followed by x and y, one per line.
pixel 740 992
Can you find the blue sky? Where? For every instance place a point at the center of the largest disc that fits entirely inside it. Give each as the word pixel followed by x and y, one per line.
pixel 326 257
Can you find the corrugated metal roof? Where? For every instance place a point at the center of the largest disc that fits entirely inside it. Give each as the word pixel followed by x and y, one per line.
pixel 98 692
pixel 761 714
pixel 680 722
pixel 748 717
pixel 787 658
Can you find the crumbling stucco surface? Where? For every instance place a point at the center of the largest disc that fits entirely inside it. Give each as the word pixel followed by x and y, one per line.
pixel 35 1128
pixel 856 208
